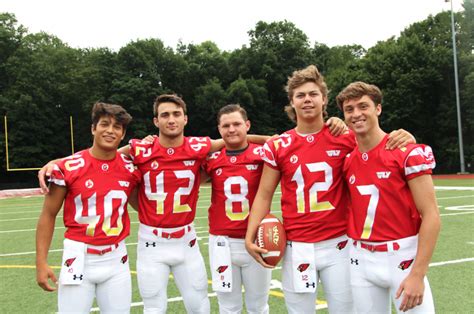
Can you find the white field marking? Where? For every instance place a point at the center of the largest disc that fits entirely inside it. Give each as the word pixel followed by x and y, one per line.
pixel 18 219
pixel 23 212
pixel 461 207
pixel 176 299
pixel 454 197
pixel 454 188
pixel 470 243
pixel 456 214
pixel 203 217
pixel 456 261
pixel 60 250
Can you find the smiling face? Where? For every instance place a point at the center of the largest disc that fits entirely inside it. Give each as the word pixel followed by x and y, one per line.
pixel 108 133
pixel 361 114
pixel 170 120
pixel 233 129
pixel 308 101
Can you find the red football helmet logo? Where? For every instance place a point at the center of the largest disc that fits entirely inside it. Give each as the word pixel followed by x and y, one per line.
pixel 405 264
pixel 341 245
pixel 222 269
pixel 302 267
pixel 69 262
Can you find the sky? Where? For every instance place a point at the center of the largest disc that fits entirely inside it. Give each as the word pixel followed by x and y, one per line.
pixel 115 23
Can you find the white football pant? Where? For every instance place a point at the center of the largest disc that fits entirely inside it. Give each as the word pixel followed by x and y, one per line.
pixel 158 257
pixel 376 277
pixel 247 272
pixel 106 277
pixel 332 270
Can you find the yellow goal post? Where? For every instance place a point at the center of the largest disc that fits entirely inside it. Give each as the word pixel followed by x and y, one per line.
pixel 7 158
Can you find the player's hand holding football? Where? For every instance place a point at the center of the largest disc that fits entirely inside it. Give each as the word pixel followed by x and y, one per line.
pixel 412 289
pixel 43 274
pixel 256 252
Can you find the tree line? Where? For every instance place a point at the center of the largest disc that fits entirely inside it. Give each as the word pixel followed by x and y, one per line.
pixel 43 82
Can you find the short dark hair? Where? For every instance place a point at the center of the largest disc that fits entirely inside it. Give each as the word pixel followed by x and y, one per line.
pixel 229 109
pixel 358 89
pixel 168 98
pixel 101 109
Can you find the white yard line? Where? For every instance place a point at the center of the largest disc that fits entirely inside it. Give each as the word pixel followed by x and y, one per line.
pixel 276 286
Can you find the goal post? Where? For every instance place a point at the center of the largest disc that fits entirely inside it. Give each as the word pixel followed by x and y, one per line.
pixel 7 157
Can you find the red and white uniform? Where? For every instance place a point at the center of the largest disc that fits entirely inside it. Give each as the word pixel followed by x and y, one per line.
pixel 314 200
pixel 314 205
pixel 385 223
pixel 95 260
pixel 382 205
pixel 169 193
pixel 235 179
pixel 167 241
pixel 95 208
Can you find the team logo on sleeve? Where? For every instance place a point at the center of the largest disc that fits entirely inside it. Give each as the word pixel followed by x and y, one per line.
pixel 219 171
pixel 222 269
pixel 294 159
pixel 302 267
pixel 69 261
pixel 341 245
pixel 405 264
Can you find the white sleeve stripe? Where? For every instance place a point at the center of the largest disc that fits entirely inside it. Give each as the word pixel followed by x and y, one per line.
pixel 419 168
pixel 58 182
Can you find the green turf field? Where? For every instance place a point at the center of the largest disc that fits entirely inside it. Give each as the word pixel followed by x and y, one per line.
pixel 451 273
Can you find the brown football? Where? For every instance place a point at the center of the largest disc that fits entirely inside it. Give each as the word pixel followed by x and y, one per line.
pixel 271 236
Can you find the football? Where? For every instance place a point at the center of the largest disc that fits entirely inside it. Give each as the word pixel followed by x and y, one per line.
pixel 271 236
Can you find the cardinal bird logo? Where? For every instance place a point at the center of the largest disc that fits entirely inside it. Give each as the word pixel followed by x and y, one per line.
pixel 192 242
pixel 302 267
pixel 222 269
pixel 405 264
pixel 341 245
pixel 69 262
pixel 124 259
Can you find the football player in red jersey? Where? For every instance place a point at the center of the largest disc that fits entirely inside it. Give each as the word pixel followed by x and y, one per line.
pixel 235 172
pixel 94 185
pixel 309 162
pixel 394 219
pixel 167 198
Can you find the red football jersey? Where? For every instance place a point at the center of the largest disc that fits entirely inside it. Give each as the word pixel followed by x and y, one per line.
pixel 235 180
pixel 382 204
pixel 171 176
pixel 95 208
pixel 314 199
